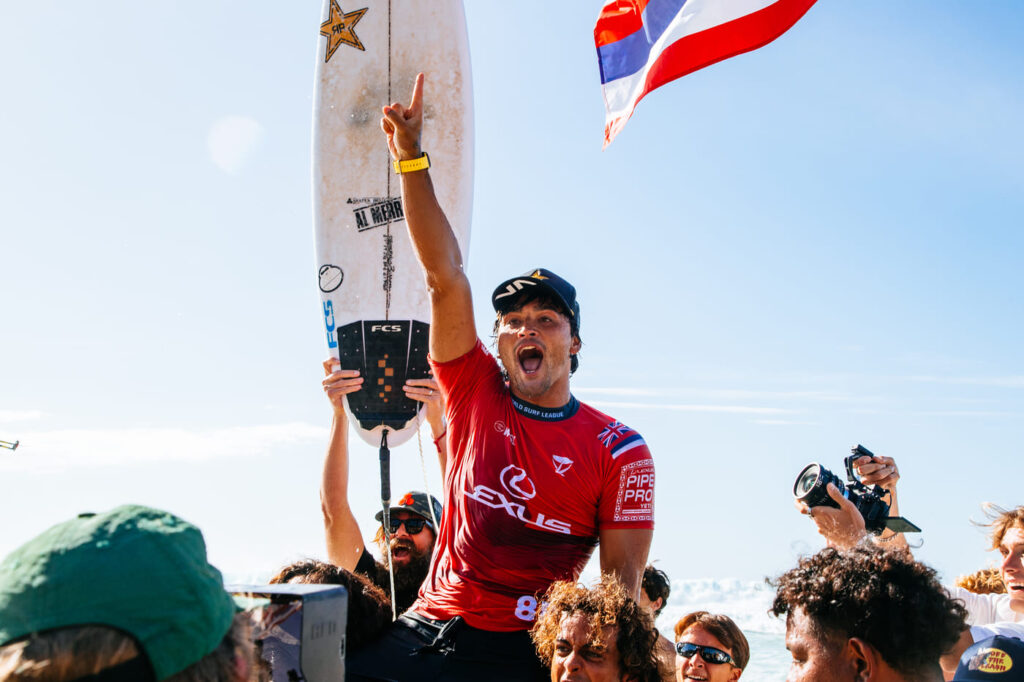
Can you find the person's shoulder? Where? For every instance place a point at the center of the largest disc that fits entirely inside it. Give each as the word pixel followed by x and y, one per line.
pixel 593 416
pixel 611 434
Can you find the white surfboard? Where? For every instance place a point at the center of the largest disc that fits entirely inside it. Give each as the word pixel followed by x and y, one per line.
pixel 374 300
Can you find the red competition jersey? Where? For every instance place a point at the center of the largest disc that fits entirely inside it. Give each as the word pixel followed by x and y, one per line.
pixel 527 489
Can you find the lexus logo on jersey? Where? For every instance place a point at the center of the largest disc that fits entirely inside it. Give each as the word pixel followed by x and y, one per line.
pixel 517 483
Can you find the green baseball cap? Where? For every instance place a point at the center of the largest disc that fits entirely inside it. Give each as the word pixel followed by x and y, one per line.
pixel 140 570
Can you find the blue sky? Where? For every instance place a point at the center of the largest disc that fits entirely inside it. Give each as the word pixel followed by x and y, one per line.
pixel 799 249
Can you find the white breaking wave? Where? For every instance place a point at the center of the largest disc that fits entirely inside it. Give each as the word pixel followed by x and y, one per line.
pixel 745 601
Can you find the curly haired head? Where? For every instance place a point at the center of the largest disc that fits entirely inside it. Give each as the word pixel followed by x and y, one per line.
pixel 882 597
pixel 985 581
pixel 607 603
pixel 369 608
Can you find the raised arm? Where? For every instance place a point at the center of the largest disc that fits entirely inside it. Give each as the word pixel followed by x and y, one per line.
pixel 844 527
pixel 452 328
pixel 624 553
pixel 344 540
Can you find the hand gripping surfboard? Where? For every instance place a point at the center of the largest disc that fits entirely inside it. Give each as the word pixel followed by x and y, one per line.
pixel 374 301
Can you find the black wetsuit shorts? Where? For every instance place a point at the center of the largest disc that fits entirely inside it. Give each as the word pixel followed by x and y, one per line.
pixel 420 648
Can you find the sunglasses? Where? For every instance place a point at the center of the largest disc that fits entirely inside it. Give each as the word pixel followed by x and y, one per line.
pixel 412 526
pixel 709 653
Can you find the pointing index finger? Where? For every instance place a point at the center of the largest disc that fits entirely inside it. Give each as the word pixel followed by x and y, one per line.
pixel 416 104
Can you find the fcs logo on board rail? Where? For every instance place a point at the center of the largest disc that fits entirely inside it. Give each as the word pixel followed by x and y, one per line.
pixel 332 338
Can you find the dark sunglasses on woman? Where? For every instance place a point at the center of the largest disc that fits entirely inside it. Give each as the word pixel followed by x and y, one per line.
pixel 412 526
pixel 709 653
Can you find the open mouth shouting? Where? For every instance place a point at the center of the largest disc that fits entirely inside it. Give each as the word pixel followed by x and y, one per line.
pixel 529 356
pixel 402 550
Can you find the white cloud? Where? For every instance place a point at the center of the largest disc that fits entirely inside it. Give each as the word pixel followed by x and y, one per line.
pixel 714 393
pixel 8 416
pixel 963 413
pixel 617 390
pixel 676 407
pixel 70 448
pixel 1001 382
pixel 231 141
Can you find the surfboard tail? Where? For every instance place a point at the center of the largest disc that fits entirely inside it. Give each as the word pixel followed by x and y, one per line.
pixel 386 353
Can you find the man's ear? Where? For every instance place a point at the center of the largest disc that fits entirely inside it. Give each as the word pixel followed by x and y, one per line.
pixel 864 659
pixel 657 604
pixel 574 347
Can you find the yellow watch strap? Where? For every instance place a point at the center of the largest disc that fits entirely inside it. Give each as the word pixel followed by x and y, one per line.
pixel 419 163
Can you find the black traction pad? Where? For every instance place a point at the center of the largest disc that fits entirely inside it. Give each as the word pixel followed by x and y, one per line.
pixel 386 353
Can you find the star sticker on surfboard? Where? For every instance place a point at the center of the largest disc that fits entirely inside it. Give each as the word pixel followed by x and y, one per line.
pixel 340 28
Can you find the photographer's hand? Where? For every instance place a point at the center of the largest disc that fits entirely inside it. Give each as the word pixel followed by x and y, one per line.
pixel 880 471
pixel 883 472
pixel 842 528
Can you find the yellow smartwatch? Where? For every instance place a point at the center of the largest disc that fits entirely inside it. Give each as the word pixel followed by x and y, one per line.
pixel 417 164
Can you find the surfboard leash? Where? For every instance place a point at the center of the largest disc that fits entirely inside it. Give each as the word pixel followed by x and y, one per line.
pixel 423 466
pixel 388 244
pixel 385 499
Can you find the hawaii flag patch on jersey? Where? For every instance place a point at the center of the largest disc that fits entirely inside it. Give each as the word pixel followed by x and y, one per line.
pixel 620 439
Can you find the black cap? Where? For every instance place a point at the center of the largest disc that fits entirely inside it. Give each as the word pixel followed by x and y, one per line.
pixel 506 294
pixel 416 502
pixel 997 659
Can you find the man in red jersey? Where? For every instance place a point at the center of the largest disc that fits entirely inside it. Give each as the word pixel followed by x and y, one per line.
pixel 536 480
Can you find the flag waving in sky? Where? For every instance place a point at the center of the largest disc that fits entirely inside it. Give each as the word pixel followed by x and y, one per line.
pixel 643 44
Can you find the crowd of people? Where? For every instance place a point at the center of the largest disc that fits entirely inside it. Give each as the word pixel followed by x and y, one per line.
pixel 485 585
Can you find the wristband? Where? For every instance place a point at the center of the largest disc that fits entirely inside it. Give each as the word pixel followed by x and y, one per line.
pixel 437 441
pixel 419 163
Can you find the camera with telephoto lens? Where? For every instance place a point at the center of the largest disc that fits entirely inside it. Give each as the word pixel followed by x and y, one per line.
pixel 811 484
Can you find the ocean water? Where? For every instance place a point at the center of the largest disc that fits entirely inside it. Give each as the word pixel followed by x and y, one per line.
pixel 746 602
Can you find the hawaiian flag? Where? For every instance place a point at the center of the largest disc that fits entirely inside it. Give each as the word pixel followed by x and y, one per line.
pixel 619 438
pixel 643 44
